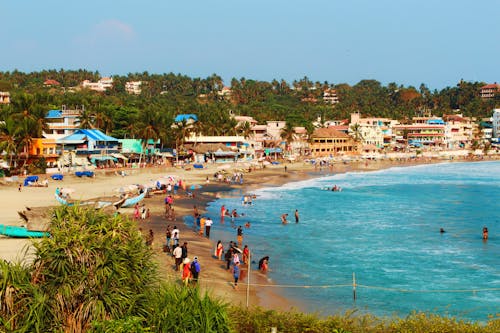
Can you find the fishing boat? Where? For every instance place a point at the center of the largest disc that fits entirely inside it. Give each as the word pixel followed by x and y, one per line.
pixel 123 202
pixel 21 232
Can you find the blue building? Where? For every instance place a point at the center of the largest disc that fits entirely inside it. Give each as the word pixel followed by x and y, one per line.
pixel 92 143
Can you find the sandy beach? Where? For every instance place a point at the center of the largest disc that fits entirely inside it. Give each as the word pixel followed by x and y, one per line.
pixel 214 278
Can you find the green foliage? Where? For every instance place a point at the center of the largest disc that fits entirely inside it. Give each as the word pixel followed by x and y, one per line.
pixel 261 320
pixel 174 308
pixel 96 274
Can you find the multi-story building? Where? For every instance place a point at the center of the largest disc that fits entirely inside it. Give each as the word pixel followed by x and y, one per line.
pixel 490 90
pixel 62 122
pixel 330 96
pixel 102 85
pixel 327 142
pixel 44 148
pixel 372 131
pixel 4 97
pixel 458 130
pixel 431 133
pixel 133 87
pixel 496 123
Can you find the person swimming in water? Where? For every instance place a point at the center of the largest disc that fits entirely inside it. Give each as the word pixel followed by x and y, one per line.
pixel 485 233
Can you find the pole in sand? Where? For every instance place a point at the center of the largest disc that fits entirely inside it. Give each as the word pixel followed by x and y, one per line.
pixel 354 286
pixel 248 277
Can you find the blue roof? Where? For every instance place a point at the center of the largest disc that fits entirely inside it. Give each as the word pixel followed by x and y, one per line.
pixel 185 117
pixel 435 122
pixel 54 114
pixel 92 134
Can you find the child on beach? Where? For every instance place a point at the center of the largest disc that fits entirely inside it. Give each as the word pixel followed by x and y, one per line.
pixel 236 275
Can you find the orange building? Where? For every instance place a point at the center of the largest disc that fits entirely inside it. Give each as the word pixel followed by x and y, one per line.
pixel 46 148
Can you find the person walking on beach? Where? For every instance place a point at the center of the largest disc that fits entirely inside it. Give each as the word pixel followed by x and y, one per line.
pixel 195 269
pixel 208 225
pixel 202 225
pixel 296 216
pixel 184 249
pixel 186 271
pixel 136 211
pixel 219 249
pixel 175 236
pixel 177 253
pixel 236 275
pixel 239 234
pixel 246 254
pixel 228 257
pixel 168 235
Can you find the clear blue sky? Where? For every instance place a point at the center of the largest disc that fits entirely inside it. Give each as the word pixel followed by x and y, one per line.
pixel 436 42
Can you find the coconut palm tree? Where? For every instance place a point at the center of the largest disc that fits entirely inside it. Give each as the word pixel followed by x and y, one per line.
pixel 287 134
pixel 9 133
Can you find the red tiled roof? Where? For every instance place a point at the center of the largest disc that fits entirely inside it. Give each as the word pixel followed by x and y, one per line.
pixel 51 82
pixel 491 86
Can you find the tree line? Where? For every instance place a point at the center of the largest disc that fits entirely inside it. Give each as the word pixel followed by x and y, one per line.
pixel 150 115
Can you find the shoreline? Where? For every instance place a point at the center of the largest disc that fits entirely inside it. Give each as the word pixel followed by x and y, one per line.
pixel 214 278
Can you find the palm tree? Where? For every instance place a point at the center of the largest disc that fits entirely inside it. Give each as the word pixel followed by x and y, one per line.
pixel 9 138
pixel 180 131
pixel 149 128
pixel 287 134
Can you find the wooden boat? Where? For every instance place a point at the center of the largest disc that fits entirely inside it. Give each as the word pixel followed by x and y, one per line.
pixel 123 202
pixel 20 232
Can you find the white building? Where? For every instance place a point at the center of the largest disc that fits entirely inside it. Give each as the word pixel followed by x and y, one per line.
pixel 101 85
pixel 62 122
pixel 496 123
pixel 133 87
pixel 4 97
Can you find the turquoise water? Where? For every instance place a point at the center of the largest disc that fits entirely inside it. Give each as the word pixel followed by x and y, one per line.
pixel 384 227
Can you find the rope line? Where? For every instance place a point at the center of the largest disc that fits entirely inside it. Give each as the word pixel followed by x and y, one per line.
pixel 358 286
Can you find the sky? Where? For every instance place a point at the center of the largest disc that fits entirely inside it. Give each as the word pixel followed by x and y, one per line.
pixel 435 42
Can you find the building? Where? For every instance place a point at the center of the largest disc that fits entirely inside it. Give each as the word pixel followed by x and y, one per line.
pixel 496 123
pixel 330 96
pixel 133 87
pixel 92 144
pixel 44 148
pixel 371 130
pixel 62 122
pixel 327 142
pixel 490 90
pixel 459 131
pixel 219 148
pixel 102 85
pixel 4 97
pixel 50 83
pixel 428 134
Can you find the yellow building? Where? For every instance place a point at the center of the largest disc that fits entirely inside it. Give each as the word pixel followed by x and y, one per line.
pixel 329 142
pixel 46 148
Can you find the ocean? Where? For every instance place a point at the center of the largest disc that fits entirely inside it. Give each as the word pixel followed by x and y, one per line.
pixel 383 228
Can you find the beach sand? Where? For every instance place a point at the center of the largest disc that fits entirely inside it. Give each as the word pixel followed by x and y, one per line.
pixel 214 278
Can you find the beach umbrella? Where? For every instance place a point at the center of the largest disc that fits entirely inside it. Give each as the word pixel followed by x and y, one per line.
pixel 195 187
pixel 223 166
pixel 238 249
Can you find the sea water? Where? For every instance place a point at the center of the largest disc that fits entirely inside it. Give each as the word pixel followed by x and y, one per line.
pixel 383 228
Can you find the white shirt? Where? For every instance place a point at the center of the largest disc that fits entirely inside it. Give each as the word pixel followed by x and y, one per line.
pixel 208 222
pixel 177 252
pixel 175 234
